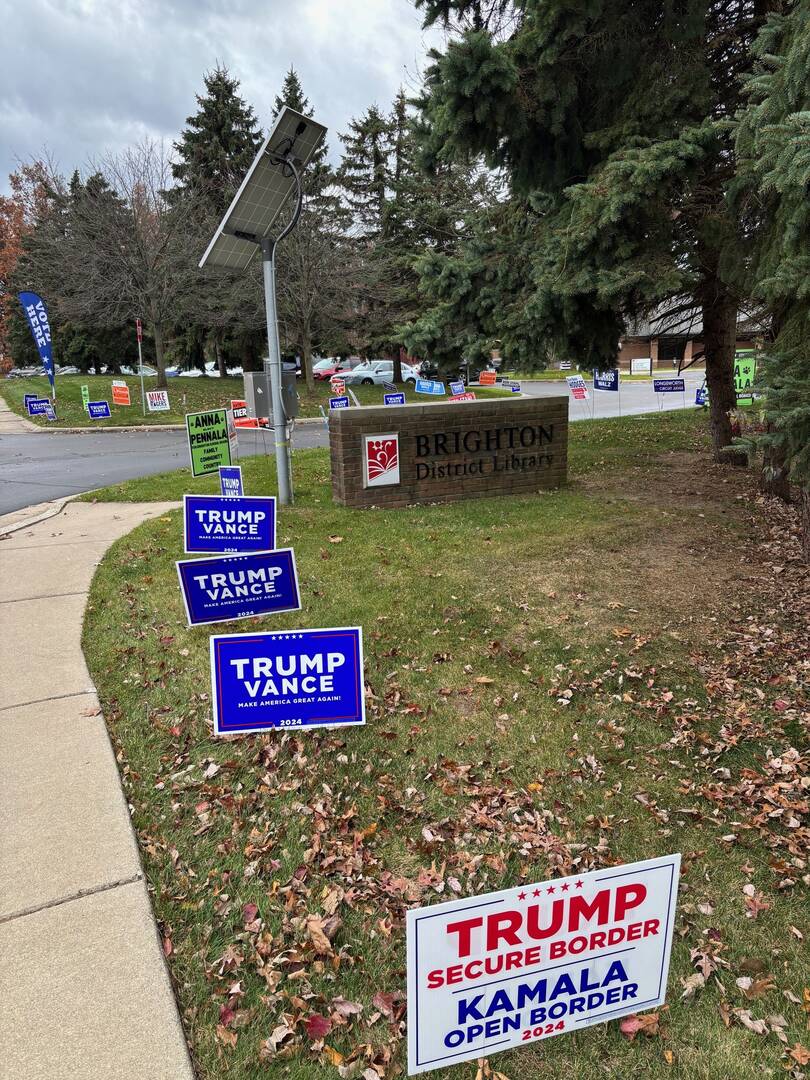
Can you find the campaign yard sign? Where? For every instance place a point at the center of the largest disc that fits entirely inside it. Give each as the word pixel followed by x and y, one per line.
pixel 49 412
pixel 745 369
pixel 390 387
pixel 487 378
pixel 508 968
pixel 157 400
pixel 85 396
pixel 606 380
pixel 467 396
pixel 30 397
pixel 225 524
pixel 98 410
pixel 238 586
pixel 394 399
pixel 457 388
pixel 287 679
pixel 338 403
pixel 36 406
pixel 208 441
pixel 701 396
pixel 576 384
pixel 230 481
pixel 429 386
pixel 669 386
pixel 120 393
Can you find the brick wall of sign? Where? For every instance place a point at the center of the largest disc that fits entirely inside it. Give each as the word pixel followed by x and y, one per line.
pixel 399 455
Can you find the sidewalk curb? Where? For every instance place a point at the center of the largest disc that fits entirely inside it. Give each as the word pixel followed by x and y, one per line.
pixel 52 512
pixel 42 430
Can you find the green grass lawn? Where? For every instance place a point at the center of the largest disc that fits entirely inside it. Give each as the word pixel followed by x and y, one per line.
pixel 185 396
pixel 554 684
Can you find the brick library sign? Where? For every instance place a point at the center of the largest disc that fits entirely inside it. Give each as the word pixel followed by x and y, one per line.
pixel 397 455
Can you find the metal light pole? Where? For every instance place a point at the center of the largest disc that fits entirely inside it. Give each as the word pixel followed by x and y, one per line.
pixel 139 334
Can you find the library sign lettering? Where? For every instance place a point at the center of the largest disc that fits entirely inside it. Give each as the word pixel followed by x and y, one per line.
pixel 444 452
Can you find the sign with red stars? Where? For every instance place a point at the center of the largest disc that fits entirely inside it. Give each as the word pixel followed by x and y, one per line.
pixel 491 972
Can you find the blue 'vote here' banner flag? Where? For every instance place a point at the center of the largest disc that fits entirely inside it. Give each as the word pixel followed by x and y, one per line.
pixel 287 679
pixel 37 315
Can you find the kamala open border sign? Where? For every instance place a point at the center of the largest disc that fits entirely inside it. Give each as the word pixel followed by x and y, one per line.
pixel 493 972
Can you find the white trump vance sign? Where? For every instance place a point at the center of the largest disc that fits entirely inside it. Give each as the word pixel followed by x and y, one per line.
pixel 492 972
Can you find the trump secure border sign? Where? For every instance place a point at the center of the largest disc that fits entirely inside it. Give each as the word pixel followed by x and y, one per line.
pixel 501 970
pixel 287 679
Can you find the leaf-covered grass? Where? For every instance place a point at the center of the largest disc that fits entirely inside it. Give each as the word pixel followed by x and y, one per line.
pixel 185 396
pixel 556 682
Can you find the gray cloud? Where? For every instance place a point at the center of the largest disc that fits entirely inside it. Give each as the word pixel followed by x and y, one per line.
pixel 84 77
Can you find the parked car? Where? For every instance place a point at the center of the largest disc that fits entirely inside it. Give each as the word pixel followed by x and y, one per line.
pixel 377 372
pixel 21 373
pixel 331 365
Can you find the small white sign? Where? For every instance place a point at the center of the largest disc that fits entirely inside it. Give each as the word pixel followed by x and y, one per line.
pixel 492 972
pixel 157 400
pixel 641 365
pixel 381 459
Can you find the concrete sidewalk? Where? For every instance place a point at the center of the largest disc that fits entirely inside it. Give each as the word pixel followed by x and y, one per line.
pixel 85 988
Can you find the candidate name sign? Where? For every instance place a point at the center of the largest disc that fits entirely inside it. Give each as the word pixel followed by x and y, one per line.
pixel 157 400
pixel 669 386
pixel 230 480
pixel 228 524
pixel 505 969
pixel 338 403
pixel 429 386
pixel 576 384
pixel 606 380
pixel 285 679
pixel 456 388
pixel 98 410
pixel 394 399
pixel 37 406
pixel 238 586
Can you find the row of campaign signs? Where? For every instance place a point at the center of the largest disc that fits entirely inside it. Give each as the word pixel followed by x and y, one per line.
pixel 156 400
pixel 432 387
pixel 484 973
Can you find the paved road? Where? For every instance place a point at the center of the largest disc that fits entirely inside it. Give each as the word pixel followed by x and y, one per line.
pixel 36 467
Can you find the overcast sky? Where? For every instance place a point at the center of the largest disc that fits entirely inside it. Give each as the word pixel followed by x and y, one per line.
pixel 81 77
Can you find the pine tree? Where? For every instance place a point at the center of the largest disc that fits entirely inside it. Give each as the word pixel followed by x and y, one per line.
pixel 365 171
pixel 618 152
pixel 773 148
pixel 218 143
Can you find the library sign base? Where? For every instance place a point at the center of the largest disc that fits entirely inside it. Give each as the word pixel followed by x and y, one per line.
pixel 399 455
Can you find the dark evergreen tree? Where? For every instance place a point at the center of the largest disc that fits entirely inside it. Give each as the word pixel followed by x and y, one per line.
pixel 611 123
pixel 218 143
pixel 773 148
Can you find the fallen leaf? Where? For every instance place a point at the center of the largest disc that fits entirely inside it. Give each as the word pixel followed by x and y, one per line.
pixel 800 1054
pixel 645 1024
pixel 315 931
pixel 318 1027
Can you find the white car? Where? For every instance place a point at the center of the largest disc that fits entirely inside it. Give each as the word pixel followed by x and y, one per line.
pixel 377 372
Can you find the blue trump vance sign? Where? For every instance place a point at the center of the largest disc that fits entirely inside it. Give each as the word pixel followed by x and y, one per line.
pixel 232 524
pixel 238 586
pixel 286 679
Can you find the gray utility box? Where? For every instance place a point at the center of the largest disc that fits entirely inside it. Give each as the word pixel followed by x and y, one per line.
pixel 259 400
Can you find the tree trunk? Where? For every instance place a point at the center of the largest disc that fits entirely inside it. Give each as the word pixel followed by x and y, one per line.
pixel 397 358
pixel 219 357
pixel 306 361
pixel 719 339
pixel 804 510
pixel 773 480
pixel 160 363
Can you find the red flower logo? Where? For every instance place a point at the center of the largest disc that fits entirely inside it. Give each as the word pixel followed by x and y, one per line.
pixel 382 459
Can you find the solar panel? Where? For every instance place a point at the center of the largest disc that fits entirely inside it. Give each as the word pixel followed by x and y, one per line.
pixel 264 190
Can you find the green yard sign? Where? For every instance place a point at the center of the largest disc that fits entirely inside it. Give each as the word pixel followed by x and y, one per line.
pixel 745 368
pixel 208 443
pixel 85 396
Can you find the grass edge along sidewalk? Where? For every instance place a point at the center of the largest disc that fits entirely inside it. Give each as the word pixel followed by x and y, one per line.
pixel 537 671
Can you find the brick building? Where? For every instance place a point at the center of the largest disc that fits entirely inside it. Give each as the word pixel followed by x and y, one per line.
pixel 670 337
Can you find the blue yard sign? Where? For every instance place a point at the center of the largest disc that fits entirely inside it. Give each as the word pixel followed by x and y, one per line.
pixel 390 387
pixel 37 406
pixel 30 397
pixel 225 524
pixel 238 586
pixel 701 396
pixel 338 403
pixel 457 387
pixel 287 679
pixel 394 399
pixel 49 411
pixel 98 410
pixel 669 386
pixel 429 386
pixel 606 380
pixel 230 480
